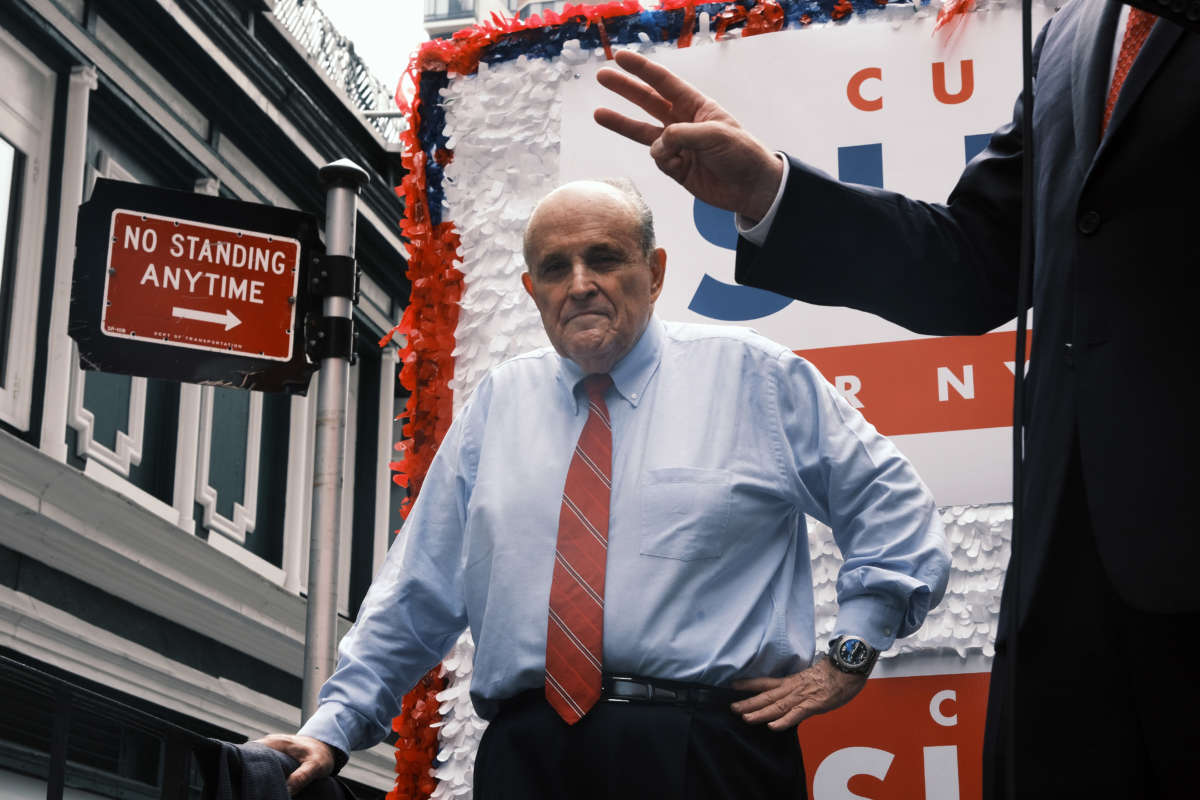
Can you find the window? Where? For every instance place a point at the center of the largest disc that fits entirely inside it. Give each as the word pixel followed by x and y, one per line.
pixel 10 188
pixel 449 9
pixel 528 8
pixel 26 103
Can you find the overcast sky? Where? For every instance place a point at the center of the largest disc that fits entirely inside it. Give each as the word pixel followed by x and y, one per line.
pixel 385 32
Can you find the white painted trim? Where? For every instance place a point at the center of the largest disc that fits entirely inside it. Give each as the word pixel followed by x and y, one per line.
pixel 247 559
pixel 106 477
pixel 55 637
pixel 187 434
pixel 59 355
pixel 245 512
pixel 346 523
pixel 69 521
pixel 187 452
pixel 299 483
pixel 29 134
pixel 129 445
pixel 388 361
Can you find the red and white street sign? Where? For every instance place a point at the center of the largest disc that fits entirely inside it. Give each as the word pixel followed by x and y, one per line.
pixel 206 287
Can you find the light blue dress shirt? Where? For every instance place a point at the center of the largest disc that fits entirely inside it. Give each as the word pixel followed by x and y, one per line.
pixel 722 442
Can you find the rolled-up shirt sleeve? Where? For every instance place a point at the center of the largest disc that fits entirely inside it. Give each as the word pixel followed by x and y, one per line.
pixel 883 517
pixel 415 608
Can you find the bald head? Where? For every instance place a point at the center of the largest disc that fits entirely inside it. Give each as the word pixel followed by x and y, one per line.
pixel 592 270
pixel 621 190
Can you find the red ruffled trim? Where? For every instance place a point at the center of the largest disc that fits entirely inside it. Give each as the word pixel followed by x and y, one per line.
pixel 951 15
pixel 417 742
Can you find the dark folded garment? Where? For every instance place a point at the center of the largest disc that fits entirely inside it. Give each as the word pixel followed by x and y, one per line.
pixel 253 771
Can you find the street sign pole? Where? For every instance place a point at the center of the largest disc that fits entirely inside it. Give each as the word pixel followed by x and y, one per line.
pixel 334 340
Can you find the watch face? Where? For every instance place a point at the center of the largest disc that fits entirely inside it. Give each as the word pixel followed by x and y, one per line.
pixel 853 652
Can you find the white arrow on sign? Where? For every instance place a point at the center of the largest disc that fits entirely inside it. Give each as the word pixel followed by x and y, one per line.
pixel 228 319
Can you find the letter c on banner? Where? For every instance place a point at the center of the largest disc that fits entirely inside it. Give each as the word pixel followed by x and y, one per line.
pixel 854 89
pixel 935 708
pixel 832 779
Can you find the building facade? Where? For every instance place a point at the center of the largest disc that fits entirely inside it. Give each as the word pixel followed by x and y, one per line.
pixel 153 534
pixel 444 17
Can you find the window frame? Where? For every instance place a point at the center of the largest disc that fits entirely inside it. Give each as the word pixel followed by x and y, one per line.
pixel 27 101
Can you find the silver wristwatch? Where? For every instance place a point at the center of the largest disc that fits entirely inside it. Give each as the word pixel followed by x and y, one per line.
pixel 852 654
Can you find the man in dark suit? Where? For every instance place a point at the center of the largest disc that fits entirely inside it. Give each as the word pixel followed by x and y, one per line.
pixel 1104 606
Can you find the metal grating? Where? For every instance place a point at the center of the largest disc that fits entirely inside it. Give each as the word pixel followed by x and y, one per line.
pixel 333 54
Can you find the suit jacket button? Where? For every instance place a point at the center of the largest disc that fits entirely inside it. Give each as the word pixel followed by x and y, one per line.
pixel 1089 222
pixel 1178 6
pixel 1193 13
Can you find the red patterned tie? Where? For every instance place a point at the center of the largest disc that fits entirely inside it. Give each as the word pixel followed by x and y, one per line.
pixel 1136 31
pixel 575 630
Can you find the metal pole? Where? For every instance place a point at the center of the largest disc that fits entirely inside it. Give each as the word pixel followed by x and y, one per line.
pixel 342 179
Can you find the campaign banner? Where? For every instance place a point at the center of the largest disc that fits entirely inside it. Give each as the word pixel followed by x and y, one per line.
pixel 505 115
pixel 863 750
pixel 896 106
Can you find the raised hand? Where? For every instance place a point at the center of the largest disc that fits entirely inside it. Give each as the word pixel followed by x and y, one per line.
pixel 698 143
pixel 784 702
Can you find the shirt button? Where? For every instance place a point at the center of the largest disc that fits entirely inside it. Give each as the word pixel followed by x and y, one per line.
pixel 1089 222
pixel 1069 354
pixel 887 631
pixel 633 396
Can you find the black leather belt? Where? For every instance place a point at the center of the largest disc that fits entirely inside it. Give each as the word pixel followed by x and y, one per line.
pixel 637 689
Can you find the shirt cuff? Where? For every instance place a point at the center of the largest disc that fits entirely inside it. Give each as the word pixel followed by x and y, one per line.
pixel 333 724
pixel 756 232
pixel 870 618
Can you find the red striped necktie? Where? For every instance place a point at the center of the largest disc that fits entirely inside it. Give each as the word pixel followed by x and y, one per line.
pixel 575 629
pixel 1136 30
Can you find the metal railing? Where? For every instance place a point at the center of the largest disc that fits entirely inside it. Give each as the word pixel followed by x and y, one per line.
pixel 333 54
pixel 72 737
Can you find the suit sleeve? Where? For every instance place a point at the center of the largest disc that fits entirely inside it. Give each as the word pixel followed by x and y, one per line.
pixel 939 269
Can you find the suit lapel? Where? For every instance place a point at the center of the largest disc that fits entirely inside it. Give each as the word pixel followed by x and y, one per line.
pixel 1090 61
pixel 1158 44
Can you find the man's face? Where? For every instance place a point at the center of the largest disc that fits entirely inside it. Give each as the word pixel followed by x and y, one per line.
pixel 588 275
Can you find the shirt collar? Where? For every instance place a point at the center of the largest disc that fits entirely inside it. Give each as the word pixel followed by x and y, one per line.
pixel 631 374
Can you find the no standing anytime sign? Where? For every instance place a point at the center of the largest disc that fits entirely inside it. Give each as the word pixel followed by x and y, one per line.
pixel 206 287
pixel 192 288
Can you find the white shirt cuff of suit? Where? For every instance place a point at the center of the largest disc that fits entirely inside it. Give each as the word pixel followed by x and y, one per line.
pixel 756 233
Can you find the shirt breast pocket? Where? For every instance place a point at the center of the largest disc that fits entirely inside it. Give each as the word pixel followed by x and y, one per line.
pixel 685 513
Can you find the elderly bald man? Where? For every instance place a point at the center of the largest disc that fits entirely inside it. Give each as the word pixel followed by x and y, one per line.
pixel 620 521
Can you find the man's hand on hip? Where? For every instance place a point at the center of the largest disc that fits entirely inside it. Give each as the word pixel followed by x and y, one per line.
pixel 783 702
pixel 315 757
pixel 699 144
